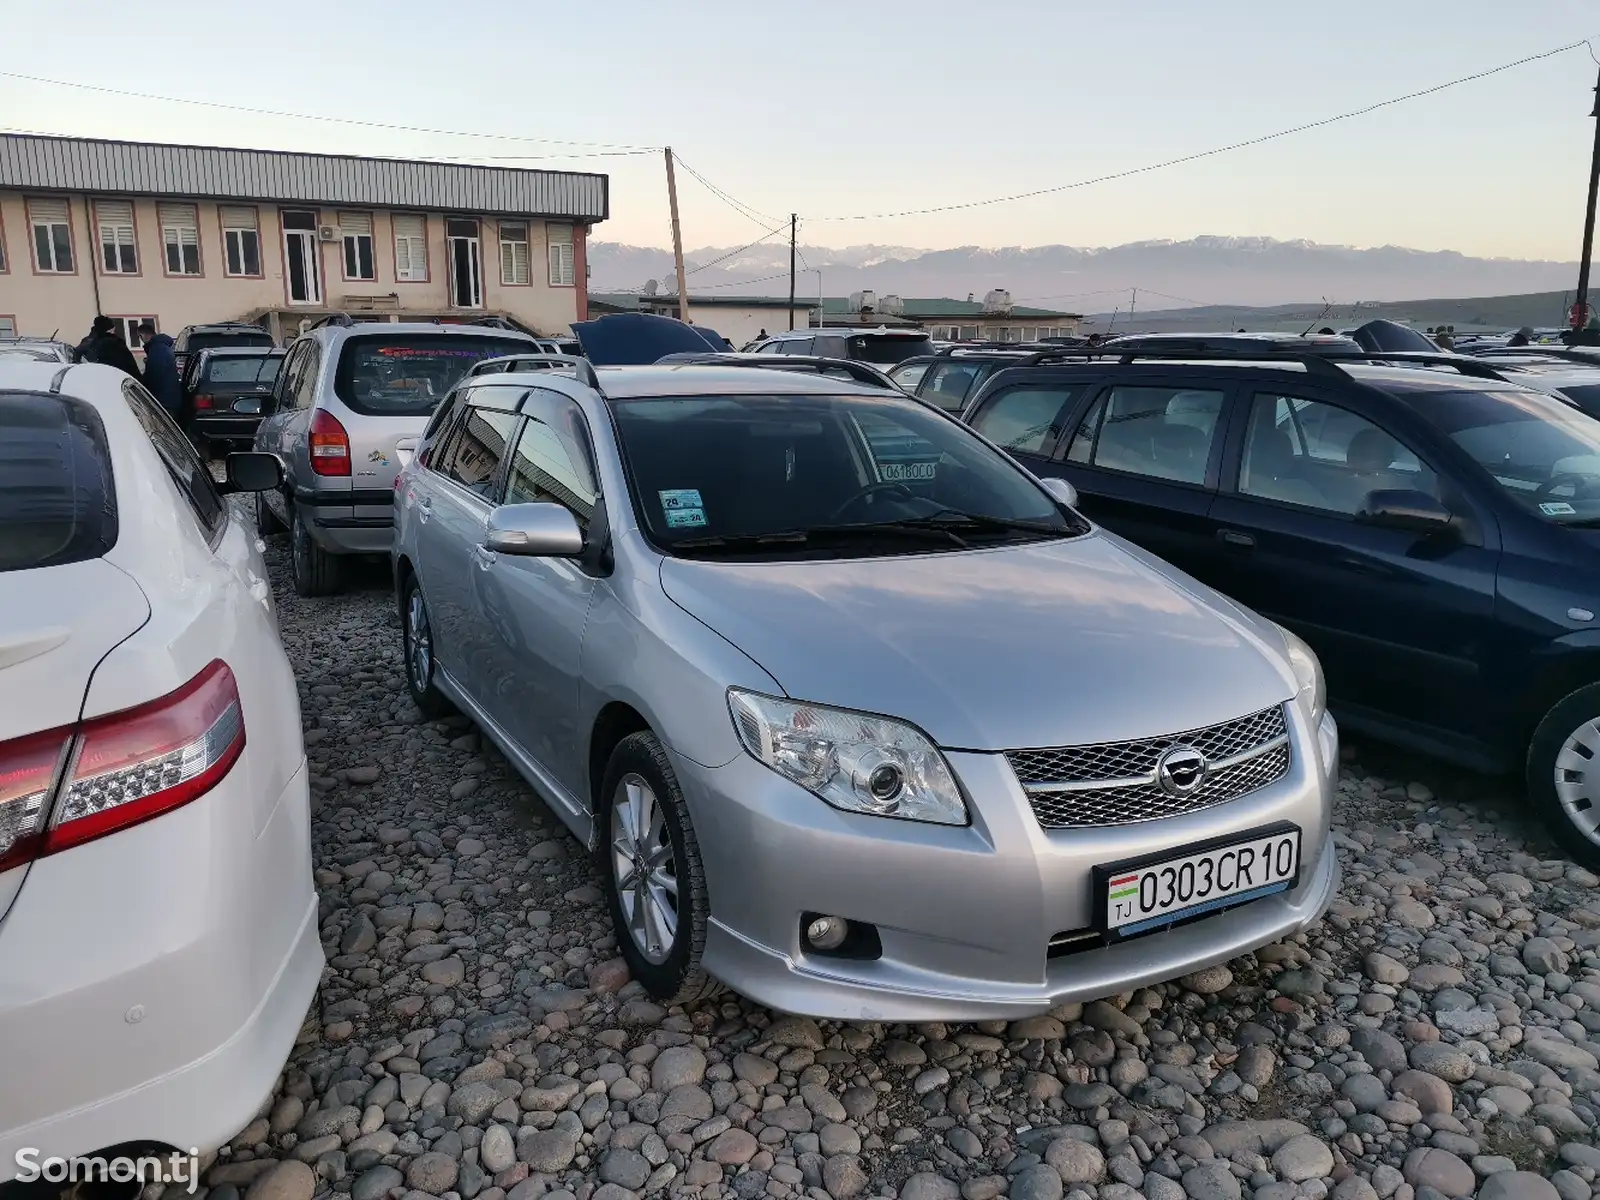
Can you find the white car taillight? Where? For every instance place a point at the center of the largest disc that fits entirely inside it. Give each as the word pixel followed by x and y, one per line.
pixel 122 769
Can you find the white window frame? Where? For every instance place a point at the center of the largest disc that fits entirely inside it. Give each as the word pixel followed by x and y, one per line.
pixel 127 330
pixel 233 242
pixel 413 271
pixel 178 235
pixel 515 268
pixel 53 267
pixel 559 239
pixel 118 241
pixel 350 247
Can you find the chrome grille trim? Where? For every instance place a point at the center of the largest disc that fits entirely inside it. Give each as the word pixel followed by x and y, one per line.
pixel 1114 783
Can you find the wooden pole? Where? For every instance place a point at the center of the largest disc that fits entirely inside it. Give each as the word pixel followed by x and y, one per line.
pixel 677 241
pixel 1580 306
pixel 793 217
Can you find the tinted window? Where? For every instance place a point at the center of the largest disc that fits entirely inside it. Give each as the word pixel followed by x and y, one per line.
pixel 210 339
pixel 1585 396
pixel 474 454
pixel 552 461
pixel 240 369
pixel 1544 453
pixel 803 467
pixel 57 502
pixel 830 347
pixel 303 384
pixel 910 375
pixel 1163 432
pixel 1301 451
pixel 1025 420
pixel 949 383
pixel 408 374
pixel 886 351
pixel 191 475
pixel 795 346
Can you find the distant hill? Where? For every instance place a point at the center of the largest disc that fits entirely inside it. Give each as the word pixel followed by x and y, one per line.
pixel 1474 313
pixel 1219 271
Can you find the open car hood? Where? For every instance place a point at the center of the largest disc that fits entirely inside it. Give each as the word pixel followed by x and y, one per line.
pixel 636 339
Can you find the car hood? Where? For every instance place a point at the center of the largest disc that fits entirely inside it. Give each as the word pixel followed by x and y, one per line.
pixel 1045 644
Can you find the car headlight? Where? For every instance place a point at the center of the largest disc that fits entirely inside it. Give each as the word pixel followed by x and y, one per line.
pixel 854 761
pixel 1313 697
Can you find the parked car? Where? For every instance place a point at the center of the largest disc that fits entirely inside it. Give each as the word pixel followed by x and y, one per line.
pixel 347 401
pixel 1569 374
pixel 39 348
pixel 192 339
pixel 1238 343
pixel 837 368
pixel 1429 529
pixel 226 388
pixel 947 378
pixel 882 347
pixel 735 654
pixel 155 829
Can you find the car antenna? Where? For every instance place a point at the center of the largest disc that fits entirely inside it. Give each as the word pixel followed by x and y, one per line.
pixel 1325 309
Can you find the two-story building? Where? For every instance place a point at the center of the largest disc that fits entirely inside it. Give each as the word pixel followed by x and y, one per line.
pixel 189 234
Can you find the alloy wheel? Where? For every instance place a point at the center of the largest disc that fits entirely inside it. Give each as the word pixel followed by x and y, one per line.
pixel 419 643
pixel 644 868
pixel 1577 779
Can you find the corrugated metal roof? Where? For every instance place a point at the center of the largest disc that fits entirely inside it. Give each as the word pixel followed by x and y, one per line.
pixel 149 168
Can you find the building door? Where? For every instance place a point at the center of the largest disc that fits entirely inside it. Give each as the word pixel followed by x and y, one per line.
pixel 301 258
pixel 466 263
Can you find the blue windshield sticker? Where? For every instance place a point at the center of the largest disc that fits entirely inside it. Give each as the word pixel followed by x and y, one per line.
pixel 1557 508
pixel 683 508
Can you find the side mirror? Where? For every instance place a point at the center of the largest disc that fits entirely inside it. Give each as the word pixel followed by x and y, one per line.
pixel 534 531
pixel 250 471
pixel 1404 508
pixel 1063 491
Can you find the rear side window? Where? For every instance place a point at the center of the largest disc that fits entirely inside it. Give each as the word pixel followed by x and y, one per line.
pixel 408 374
pixel 190 474
pixel 886 351
pixel 1025 420
pixel 57 502
pixel 241 369
pixel 474 454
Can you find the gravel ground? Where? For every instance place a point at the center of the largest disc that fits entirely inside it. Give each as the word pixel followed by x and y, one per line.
pixel 478 1037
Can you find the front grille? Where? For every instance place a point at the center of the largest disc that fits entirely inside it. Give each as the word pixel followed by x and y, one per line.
pixel 1245 754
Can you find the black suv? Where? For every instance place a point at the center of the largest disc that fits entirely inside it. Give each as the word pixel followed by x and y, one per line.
pixel 1430 528
pixel 882 347
pixel 950 377
pixel 193 338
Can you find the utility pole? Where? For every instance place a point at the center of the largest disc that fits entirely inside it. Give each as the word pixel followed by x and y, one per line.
pixel 1133 305
pixel 677 241
pixel 793 218
pixel 1580 305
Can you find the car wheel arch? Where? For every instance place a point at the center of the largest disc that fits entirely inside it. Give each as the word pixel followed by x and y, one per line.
pixel 1554 683
pixel 616 720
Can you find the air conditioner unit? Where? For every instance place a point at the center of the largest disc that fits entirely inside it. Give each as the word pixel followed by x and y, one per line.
pixel 863 301
pixel 327 233
pixel 997 301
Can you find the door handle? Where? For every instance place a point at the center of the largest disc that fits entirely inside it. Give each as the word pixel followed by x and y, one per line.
pixel 424 508
pixel 1234 537
pixel 484 556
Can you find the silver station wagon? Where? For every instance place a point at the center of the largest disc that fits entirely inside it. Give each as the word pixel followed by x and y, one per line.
pixel 859 718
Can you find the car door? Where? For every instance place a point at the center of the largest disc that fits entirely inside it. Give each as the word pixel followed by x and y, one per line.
pixel 536 608
pixel 948 384
pixel 286 414
pixel 1144 456
pixel 1399 619
pixel 453 518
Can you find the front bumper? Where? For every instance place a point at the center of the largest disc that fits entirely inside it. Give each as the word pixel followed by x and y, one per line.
pixel 152 983
pixel 966 915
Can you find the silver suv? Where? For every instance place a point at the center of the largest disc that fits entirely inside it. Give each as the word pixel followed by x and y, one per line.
pixel 859 717
pixel 348 402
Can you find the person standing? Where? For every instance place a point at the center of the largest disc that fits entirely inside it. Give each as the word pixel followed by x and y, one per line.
pixel 102 345
pixel 161 369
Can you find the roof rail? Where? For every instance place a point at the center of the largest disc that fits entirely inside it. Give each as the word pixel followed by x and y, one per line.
pixel 1315 364
pixel 860 372
pixel 339 318
pixel 1555 353
pixel 506 363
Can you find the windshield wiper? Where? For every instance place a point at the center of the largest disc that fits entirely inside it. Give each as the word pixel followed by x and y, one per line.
pixel 819 533
pixel 947 517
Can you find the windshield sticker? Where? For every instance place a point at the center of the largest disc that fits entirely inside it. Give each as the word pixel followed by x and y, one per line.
pixel 683 508
pixel 902 471
pixel 1557 508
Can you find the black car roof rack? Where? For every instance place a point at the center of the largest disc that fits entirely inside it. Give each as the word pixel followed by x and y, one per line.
pixel 505 363
pixel 1314 364
pixel 1554 353
pixel 859 371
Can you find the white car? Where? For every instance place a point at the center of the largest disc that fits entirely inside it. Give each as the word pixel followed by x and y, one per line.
pixel 158 924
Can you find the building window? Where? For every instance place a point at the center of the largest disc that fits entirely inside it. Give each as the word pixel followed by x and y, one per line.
pixel 52 236
pixel 241 241
pixel 8 327
pixel 180 232
pixel 128 329
pixel 559 239
pixel 514 254
pixel 356 231
pixel 117 253
pixel 411 249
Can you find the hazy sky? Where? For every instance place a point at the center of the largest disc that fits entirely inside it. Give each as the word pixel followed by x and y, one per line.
pixel 829 108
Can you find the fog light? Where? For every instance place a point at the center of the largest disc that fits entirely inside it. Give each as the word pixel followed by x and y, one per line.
pixel 827 933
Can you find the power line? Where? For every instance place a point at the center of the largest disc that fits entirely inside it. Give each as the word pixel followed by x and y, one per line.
pixel 740 250
pixel 270 112
pixel 738 206
pixel 1173 162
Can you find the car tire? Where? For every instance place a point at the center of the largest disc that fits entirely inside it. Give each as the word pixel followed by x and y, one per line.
pixel 1564 774
pixel 315 572
pixel 416 650
pixel 659 914
pixel 267 522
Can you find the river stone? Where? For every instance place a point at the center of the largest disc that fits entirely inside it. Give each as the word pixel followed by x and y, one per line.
pixel 1440 1170
pixel 1303 1157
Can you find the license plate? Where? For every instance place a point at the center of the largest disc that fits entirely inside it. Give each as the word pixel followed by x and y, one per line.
pixel 902 472
pixel 1140 894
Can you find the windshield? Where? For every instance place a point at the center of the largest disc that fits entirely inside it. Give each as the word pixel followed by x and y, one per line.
pixel 715 474
pixel 1544 453
pixel 408 374
pixel 210 340
pixel 886 351
pixel 243 369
